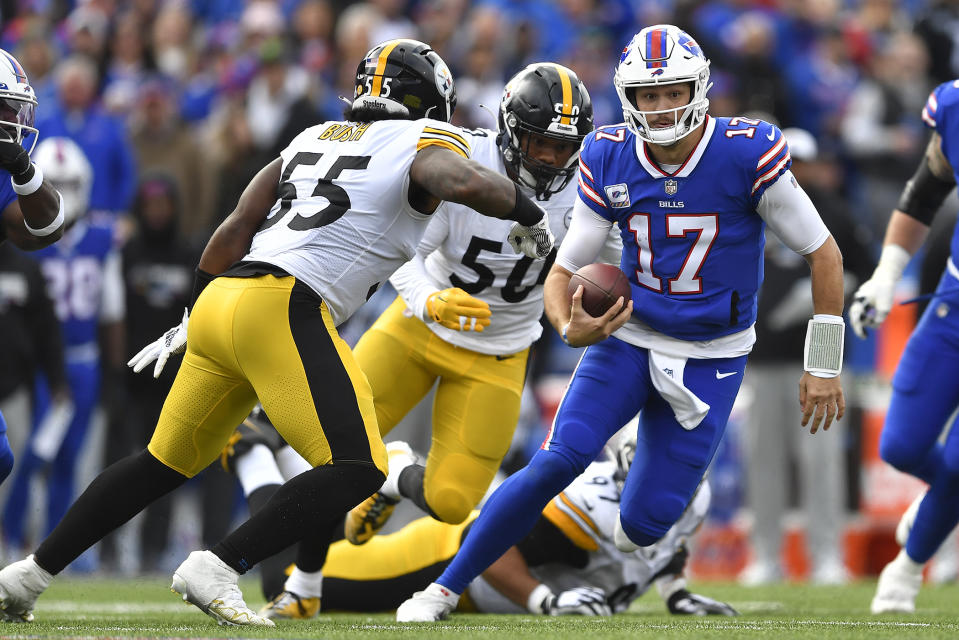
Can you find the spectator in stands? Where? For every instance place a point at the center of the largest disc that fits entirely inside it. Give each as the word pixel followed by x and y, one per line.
pixel 103 139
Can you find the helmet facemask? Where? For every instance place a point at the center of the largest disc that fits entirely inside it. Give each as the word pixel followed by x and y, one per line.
pixel 663 55
pixel 544 179
pixel 17 102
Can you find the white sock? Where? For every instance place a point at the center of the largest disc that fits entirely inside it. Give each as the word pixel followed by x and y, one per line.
pixel 257 468
pixel 303 584
pixel 908 563
pixel 291 463
pixel 399 460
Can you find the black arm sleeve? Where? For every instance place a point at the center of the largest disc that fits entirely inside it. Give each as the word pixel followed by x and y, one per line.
pixel 546 543
pixel 923 194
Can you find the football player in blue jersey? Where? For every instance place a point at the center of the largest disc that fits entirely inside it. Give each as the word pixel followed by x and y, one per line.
pixel 691 196
pixel 31 215
pixel 924 389
pixel 85 282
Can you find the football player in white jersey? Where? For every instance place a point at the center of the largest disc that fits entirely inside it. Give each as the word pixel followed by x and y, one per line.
pixel 312 237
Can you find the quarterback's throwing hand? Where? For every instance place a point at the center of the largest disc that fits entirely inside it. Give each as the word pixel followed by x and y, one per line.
pixel 455 309
pixel 535 241
pixel 170 343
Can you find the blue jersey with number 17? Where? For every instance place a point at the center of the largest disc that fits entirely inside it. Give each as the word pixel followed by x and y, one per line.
pixel 692 240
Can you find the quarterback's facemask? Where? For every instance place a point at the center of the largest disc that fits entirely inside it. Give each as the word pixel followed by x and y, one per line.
pixel 548 100
pixel 17 102
pixel 405 78
pixel 663 55
pixel 66 167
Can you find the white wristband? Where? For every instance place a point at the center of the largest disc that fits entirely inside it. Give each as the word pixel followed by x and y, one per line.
pixel 536 599
pixel 892 262
pixel 825 341
pixel 50 228
pixel 31 185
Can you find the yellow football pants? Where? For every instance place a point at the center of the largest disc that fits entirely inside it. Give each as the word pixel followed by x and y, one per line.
pixel 268 338
pixel 475 410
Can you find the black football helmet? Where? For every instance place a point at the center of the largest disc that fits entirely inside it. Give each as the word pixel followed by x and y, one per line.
pixel 406 79
pixel 549 100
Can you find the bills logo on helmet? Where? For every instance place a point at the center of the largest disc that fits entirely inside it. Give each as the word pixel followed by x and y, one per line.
pixel 671 187
pixel 618 196
pixel 686 42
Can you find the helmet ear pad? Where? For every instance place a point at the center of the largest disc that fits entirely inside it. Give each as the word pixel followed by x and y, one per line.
pixel 546 100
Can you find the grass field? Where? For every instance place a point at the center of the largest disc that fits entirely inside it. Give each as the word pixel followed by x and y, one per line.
pixel 98 608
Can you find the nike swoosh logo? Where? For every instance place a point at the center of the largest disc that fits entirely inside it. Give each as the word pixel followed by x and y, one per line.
pixel 720 376
pixel 772 135
pixel 503 357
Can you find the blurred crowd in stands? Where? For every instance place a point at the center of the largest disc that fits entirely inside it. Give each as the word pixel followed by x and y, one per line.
pixel 178 103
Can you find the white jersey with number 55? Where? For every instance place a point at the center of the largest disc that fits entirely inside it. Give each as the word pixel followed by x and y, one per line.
pixel 464 249
pixel 343 223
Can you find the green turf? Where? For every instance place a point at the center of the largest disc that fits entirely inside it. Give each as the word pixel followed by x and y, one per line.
pixel 97 608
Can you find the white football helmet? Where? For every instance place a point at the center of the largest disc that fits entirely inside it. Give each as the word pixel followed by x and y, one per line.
pixel 17 102
pixel 663 55
pixel 66 167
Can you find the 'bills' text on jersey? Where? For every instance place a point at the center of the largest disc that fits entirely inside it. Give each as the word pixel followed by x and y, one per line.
pixel 692 239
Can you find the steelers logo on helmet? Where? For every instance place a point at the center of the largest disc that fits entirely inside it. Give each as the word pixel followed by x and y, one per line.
pixel 663 55
pixel 404 79
pixel 543 101
pixel 17 102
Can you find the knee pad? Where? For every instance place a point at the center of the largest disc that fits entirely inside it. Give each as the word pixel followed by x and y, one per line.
pixel 456 486
pixel 900 452
pixel 649 521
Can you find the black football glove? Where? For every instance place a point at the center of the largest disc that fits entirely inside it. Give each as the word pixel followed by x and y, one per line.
pixel 691 604
pixel 15 160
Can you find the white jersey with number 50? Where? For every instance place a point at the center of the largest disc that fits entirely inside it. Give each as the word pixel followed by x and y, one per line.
pixel 464 249
pixel 343 223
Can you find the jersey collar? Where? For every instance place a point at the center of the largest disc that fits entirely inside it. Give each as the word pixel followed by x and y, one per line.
pixel 685 169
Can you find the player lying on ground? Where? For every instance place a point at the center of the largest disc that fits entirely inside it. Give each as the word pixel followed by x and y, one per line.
pixel 567 565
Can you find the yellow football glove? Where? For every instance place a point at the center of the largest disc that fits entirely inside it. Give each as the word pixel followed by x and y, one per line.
pixel 453 308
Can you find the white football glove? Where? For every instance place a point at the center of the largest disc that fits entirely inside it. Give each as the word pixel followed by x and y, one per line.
pixel 170 343
pixel 579 601
pixel 692 604
pixel 535 241
pixel 873 300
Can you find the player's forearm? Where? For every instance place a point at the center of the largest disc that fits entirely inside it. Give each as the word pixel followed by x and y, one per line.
pixel 453 178
pixel 38 211
pixel 555 300
pixel 511 577
pixel 825 265
pixel 905 231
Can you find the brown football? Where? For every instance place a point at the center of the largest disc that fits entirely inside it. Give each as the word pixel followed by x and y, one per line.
pixel 603 285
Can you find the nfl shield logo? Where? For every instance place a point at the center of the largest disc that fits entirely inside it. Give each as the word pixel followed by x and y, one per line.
pixel 670 186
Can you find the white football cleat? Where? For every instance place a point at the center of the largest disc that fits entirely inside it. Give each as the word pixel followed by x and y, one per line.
pixel 898 586
pixel 209 583
pixel 21 583
pixel 434 603
pixel 907 520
